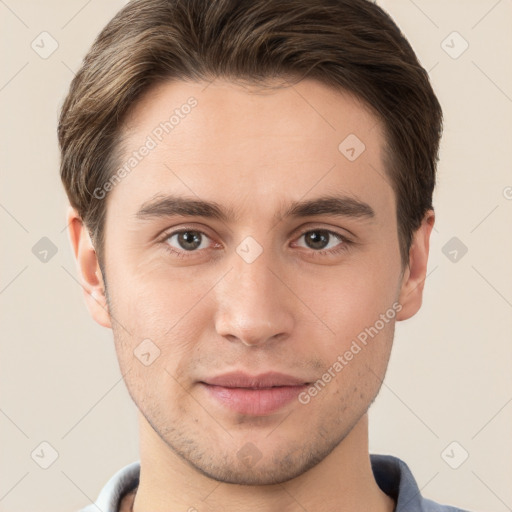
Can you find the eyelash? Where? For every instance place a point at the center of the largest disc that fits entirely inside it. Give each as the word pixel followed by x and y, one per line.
pixel 343 247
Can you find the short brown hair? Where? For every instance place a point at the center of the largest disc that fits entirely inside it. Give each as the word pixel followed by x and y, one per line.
pixel 352 45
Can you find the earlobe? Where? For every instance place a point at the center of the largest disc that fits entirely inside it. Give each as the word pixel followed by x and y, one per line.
pixel 411 292
pixel 88 267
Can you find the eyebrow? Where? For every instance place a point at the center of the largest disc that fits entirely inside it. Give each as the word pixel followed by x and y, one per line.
pixel 171 205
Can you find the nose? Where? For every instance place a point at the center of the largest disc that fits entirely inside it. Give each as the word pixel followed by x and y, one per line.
pixel 255 307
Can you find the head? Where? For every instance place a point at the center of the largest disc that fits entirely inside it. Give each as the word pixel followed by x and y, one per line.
pixel 253 182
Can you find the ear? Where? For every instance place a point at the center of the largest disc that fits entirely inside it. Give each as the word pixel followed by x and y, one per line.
pixel 89 270
pixel 411 291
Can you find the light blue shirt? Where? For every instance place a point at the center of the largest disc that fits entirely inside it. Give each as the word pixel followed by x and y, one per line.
pixel 391 474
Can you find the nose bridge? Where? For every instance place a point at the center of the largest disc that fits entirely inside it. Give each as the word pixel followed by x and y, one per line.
pixel 252 303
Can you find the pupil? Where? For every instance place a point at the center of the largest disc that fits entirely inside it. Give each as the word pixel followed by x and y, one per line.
pixel 315 239
pixel 189 237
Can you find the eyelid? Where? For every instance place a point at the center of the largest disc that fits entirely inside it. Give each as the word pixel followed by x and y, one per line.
pixel 166 233
pixel 332 230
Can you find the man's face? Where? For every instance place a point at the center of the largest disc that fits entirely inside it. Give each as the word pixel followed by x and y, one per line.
pixel 258 290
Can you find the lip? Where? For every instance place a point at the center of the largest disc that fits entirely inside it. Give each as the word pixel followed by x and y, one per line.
pixel 264 380
pixel 256 395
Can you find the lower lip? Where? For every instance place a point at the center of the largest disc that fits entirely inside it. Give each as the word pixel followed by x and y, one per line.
pixel 255 402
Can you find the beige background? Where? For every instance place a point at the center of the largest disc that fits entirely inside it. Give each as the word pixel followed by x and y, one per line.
pixel 450 374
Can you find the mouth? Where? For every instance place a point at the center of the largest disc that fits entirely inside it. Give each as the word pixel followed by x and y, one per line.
pixel 254 395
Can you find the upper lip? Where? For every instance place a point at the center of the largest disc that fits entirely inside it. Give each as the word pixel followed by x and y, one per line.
pixel 263 380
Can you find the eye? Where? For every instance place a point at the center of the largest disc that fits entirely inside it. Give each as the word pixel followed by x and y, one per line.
pixel 186 241
pixel 324 241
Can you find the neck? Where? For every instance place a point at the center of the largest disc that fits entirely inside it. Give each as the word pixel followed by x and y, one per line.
pixel 341 481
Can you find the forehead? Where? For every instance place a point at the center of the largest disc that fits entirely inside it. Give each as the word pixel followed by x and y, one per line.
pixel 307 108
pixel 225 141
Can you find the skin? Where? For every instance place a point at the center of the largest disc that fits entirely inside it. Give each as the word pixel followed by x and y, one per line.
pixel 291 310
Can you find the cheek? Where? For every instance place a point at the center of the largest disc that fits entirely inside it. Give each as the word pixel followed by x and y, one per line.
pixel 157 325
pixel 154 302
pixel 351 301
